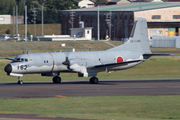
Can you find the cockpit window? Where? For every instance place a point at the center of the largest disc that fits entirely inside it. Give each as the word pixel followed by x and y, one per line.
pixel 17 60
pixel 20 60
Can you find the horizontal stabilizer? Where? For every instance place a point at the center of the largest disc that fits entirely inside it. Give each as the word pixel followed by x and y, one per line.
pixel 146 56
pixel 155 54
pixel 116 64
pixel 8 58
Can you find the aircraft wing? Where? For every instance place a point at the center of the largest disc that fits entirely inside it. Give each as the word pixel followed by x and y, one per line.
pixel 8 58
pixel 116 64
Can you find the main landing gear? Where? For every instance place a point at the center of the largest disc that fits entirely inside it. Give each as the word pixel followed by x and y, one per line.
pixel 93 80
pixel 56 79
pixel 20 81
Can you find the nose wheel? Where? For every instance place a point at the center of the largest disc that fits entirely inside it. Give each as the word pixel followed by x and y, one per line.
pixel 20 81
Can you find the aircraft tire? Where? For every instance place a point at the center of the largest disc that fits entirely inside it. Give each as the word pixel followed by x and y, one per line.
pixel 94 80
pixel 20 82
pixel 56 79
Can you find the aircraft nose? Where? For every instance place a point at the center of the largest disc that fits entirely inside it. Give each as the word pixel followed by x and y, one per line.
pixel 8 68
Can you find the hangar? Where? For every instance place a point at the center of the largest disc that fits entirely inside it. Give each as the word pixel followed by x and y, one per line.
pixel 116 21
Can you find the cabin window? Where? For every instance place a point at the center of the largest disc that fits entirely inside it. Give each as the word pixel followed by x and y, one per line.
pixel 45 61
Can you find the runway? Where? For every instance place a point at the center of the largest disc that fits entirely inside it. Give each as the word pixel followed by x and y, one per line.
pixel 84 88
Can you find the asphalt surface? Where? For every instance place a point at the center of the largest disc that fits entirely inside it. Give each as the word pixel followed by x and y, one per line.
pixel 84 88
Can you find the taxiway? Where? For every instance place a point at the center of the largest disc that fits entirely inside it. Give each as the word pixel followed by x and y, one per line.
pixel 83 88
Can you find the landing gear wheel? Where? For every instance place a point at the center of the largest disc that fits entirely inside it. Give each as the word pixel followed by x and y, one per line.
pixel 56 79
pixel 20 81
pixel 94 80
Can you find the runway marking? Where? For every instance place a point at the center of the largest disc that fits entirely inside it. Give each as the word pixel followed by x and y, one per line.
pixel 60 96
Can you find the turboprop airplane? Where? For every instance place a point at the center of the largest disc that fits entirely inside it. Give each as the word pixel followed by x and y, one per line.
pixel 87 64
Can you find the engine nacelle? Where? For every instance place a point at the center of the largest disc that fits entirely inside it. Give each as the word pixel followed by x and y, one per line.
pixel 86 74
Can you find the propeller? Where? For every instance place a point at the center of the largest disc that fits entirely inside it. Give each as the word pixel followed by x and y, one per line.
pixel 66 62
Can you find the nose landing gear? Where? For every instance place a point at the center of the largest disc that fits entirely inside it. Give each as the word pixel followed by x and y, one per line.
pixel 20 81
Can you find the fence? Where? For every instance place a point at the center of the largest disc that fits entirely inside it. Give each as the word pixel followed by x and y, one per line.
pixel 164 41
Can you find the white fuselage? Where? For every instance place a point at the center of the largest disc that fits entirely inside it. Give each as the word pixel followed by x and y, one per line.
pixel 52 62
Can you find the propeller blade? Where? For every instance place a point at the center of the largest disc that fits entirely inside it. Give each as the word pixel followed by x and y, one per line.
pixel 66 62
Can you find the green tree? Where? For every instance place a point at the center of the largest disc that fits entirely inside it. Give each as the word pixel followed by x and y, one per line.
pixel 6 6
pixel 52 9
pixel 12 3
pixel 20 4
pixel 8 31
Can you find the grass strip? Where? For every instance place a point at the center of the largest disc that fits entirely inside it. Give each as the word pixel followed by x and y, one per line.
pixel 109 108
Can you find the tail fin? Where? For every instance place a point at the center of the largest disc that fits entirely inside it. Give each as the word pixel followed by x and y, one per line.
pixel 138 40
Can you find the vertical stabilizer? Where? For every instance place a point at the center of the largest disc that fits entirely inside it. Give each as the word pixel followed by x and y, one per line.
pixel 138 40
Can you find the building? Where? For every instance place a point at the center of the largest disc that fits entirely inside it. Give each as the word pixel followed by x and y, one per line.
pixel 5 19
pixel 162 21
pixel 117 20
pixel 8 19
pixel 120 24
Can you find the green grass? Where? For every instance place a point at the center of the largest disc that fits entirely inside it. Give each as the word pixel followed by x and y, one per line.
pixel 109 108
pixel 49 29
pixel 34 47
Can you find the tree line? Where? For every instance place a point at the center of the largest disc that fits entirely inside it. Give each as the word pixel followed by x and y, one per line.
pixel 51 9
